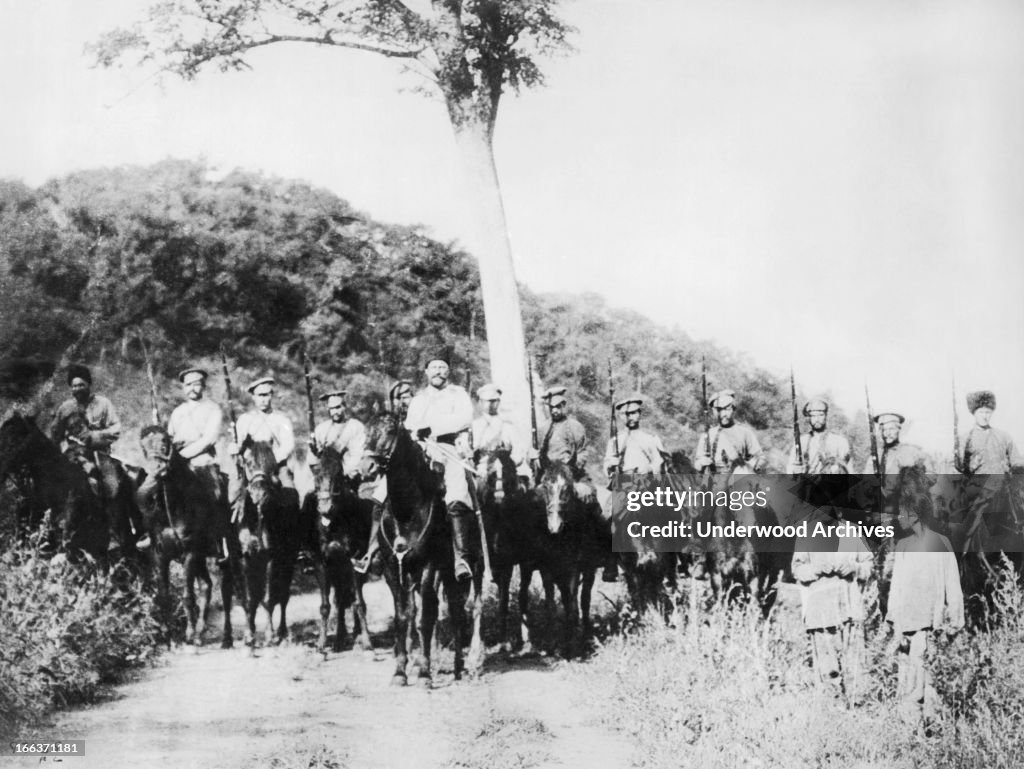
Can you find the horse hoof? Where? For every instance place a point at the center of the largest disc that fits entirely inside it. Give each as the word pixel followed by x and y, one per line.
pixel 399 679
pixel 423 680
pixel 227 643
pixel 527 648
pixel 504 648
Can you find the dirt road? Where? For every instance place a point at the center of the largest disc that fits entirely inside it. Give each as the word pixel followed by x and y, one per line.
pixel 290 707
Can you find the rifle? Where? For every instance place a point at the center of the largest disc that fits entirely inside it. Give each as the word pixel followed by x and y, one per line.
pixel 533 410
pixel 706 481
pixel 796 420
pixel 239 464
pixel 614 424
pixel 957 458
pixel 310 413
pixel 873 438
pixel 152 382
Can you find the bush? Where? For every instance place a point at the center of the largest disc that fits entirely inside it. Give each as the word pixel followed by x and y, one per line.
pixel 67 631
pixel 731 690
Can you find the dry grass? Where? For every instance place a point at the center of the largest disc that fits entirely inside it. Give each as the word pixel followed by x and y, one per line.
pixel 733 691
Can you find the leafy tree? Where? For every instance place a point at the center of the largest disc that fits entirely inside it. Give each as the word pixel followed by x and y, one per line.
pixel 470 51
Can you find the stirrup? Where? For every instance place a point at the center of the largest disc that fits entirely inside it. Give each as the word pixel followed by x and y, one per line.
pixel 361 565
pixel 143 543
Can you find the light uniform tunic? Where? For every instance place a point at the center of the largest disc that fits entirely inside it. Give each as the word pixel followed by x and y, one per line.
pixel 988 451
pixel 195 428
pixel 730 447
pixel 640 450
pixel 821 450
pixel 273 428
pixel 448 412
pixel 347 439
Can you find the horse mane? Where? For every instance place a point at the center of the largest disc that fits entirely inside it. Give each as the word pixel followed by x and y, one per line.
pixel 261 458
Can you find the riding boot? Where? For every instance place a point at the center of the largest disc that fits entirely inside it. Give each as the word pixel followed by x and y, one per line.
pixel 462 523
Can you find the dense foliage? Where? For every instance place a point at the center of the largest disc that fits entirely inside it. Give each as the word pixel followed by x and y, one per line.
pixel 268 267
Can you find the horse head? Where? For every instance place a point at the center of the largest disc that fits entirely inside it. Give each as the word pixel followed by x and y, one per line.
pixel 559 495
pixel 17 434
pixel 496 475
pixel 329 481
pixel 261 474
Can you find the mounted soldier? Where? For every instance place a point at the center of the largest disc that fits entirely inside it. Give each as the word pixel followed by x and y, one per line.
pixel 730 447
pixel 400 396
pixel 895 456
pixel 342 433
pixel 636 452
pixel 264 424
pixel 822 450
pixel 194 429
pixel 492 432
pixel 989 455
pixel 565 442
pixel 85 426
pixel 439 417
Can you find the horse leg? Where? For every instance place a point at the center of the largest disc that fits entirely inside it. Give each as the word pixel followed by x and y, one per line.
pixel 568 586
pixel 340 566
pixel 191 607
pixel 227 579
pixel 270 578
pixel 586 585
pixel 400 600
pixel 476 645
pixel 503 576
pixel 325 600
pixel 359 625
pixel 253 573
pixel 204 599
pixel 428 619
pixel 525 578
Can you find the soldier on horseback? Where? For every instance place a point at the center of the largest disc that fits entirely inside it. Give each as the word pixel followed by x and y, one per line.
pixel 895 457
pixel 345 434
pixel 194 429
pixel 440 416
pixel 400 396
pixel 638 452
pixel 822 450
pixel 565 441
pixel 492 432
pixel 989 455
pixel 729 446
pixel 85 426
pixel 264 424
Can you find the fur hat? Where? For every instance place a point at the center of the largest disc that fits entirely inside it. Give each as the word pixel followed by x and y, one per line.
pixel 982 399
pixel 76 371
pixel 442 353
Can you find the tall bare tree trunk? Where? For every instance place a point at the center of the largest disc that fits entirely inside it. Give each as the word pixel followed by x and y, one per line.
pixel 490 243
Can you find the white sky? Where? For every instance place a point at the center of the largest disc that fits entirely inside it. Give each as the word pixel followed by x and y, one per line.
pixel 835 184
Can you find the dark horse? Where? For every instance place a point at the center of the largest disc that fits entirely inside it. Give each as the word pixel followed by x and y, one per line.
pixel 652 572
pixel 269 535
pixel 340 531
pixel 415 542
pixel 570 552
pixel 187 522
pixel 516 531
pixel 78 520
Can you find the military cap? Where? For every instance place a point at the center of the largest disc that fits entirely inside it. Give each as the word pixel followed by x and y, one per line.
pixel 626 401
pixel 815 404
pixel 488 392
pixel 982 399
pixel 185 372
pixel 888 416
pixel 722 398
pixel 555 395
pixel 442 353
pixel 332 394
pixel 399 388
pixel 261 381
pixel 76 371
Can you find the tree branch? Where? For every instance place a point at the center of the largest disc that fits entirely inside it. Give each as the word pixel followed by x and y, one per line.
pixel 218 51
